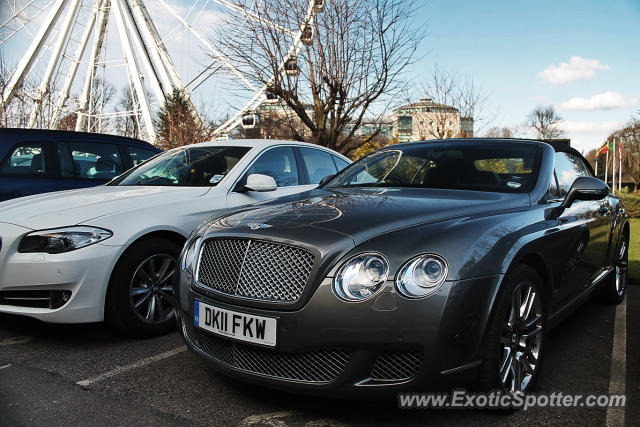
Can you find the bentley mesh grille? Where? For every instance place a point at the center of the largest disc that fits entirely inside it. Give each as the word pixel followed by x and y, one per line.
pixel 321 366
pixel 255 269
pixel 396 365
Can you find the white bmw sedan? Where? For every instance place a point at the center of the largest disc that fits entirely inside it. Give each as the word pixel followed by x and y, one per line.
pixel 110 252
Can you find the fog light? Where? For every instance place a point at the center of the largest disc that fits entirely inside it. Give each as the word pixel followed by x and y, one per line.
pixel 59 298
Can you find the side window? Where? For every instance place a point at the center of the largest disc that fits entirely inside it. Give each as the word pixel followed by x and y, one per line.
pixel 95 160
pixel 26 159
pixel 568 168
pixel 319 164
pixel 279 163
pixel 554 193
pixel 139 155
pixel 340 164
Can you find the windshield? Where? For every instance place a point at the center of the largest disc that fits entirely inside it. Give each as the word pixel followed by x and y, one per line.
pixel 497 167
pixel 185 167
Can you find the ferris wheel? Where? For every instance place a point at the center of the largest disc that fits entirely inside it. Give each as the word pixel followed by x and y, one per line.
pixel 76 53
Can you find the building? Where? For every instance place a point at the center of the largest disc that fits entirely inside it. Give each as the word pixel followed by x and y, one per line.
pixel 368 127
pixel 418 121
pixel 426 119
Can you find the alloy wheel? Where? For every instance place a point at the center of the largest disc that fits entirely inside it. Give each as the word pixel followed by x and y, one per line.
pixel 151 289
pixel 521 339
pixel 621 268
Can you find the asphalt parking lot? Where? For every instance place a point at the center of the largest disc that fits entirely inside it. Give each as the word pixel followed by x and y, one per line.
pixel 61 374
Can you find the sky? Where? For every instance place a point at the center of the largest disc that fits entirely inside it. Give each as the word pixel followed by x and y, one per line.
pixel 581 57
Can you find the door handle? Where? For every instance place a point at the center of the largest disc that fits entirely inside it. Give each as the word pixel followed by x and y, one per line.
pixel 603 210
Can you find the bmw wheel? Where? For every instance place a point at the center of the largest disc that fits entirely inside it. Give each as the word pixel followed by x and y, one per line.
pixel 140 300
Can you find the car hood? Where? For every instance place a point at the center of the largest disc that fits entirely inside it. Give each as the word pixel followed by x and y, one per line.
pixel 63 208
pixel 362 213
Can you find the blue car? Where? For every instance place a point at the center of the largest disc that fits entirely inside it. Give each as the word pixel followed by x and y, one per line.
pixel 36 161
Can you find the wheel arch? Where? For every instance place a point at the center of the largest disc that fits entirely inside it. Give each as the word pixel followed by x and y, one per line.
pixel 169 235
pixel 533 260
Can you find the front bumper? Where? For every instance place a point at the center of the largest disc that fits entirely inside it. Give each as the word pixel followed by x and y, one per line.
pixel 85 272
pixel 384 345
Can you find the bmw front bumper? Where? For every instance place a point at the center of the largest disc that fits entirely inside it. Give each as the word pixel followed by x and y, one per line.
pixel 26 277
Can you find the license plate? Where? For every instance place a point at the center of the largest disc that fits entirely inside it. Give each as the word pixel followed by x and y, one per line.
pixel 229 323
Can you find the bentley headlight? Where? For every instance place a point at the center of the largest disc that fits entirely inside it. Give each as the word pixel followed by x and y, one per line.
pixel 189 253
pixel 422 275
pixel 361 277
pixel 60 240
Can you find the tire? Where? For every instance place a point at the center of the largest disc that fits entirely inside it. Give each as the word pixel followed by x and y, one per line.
pixel 510 350
pixel 615 287
pixel 140 300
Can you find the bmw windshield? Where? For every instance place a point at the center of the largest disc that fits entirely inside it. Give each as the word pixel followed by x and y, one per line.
pixel 185 167
pixel 498 167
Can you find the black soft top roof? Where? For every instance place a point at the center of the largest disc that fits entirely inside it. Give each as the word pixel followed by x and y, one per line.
pixel 64 134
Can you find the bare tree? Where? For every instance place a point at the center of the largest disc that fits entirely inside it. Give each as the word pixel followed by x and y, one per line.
pixel 127 122
pixel 455 99
pixel 546 122
pixel 629 137
pixel 353 57
pixel 178 125
pixel 499 132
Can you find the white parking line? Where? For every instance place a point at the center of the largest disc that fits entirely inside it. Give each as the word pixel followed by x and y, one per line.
pixel 5 366
pixel 616 415
pixel 14 341
pixel 121 369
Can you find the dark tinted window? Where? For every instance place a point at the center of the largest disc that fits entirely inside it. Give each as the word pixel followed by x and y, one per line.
pixel 139 155
pixel 319 164
pixel 568 168
pixel 503 167
pixel 26 159
pixel 186 167
pixel 279 163
pixel 95 160
pixel 340 164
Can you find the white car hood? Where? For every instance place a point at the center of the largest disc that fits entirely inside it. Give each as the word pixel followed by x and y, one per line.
pixel 63 208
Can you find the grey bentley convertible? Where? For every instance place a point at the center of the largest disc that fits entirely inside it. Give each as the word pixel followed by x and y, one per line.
pixel 423 266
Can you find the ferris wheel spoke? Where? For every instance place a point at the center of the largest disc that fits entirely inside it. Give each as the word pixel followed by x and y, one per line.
pixel 255 17
pixel 209 46
pixel 23 19
pixel 64 95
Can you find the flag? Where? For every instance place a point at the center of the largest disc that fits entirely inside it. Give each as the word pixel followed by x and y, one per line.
pixel 602 150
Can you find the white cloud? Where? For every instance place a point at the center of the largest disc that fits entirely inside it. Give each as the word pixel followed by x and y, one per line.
pixel 586 135
pixel 576 69
pixel 588 126
pixel 601 101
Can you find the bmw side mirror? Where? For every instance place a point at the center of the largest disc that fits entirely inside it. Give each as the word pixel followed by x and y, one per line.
pixel 260 183
pixel 326 179
pixel 585 188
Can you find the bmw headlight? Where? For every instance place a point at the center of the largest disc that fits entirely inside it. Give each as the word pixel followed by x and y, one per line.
pixel 189 253
pixel 361 277
pixel 60 240
pixel 422 275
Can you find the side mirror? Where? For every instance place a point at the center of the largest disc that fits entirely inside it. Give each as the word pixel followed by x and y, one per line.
pixel 585 188
pixel 261 183
pixel 326 179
